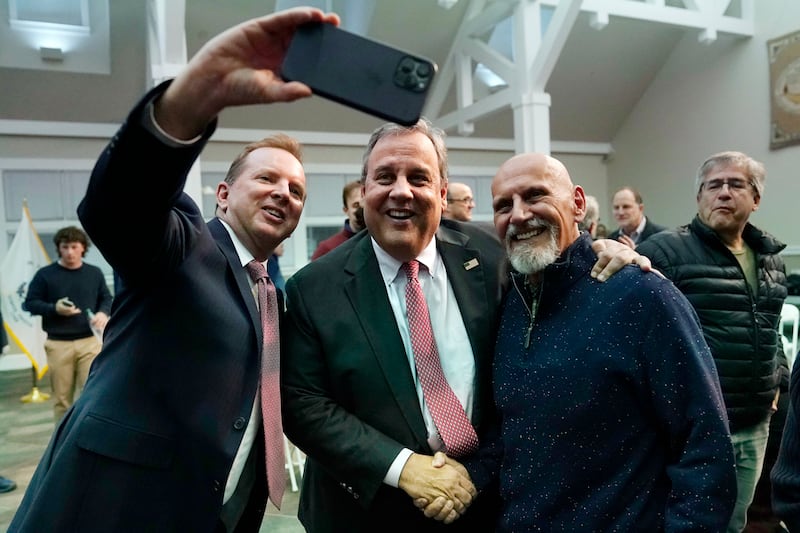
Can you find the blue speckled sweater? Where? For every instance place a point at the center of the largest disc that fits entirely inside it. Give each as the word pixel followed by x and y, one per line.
pixel 612 419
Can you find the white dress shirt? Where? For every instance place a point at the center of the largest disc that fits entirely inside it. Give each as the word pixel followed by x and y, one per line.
pixel 452 342
pixel 255 413
pixel 636 233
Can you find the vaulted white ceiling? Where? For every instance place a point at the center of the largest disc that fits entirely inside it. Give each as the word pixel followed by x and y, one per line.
pixel 579 79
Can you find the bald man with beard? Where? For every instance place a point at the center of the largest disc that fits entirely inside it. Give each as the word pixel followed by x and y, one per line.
pixel 610 418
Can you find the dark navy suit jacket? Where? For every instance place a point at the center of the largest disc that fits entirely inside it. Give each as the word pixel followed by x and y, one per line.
pixel 150 442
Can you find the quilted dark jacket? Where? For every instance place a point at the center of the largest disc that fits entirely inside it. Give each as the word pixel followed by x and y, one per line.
pixel 741 331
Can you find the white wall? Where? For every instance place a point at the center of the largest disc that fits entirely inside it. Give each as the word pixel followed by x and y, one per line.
pixel 708 99
pixel 330 161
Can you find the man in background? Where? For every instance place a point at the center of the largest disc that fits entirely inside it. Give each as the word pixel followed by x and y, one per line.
pixel 73 300
pixel 628 210
pixel 611 419
pixel 460 202
pixel 351 198
pixel 589 222
pixel 732 274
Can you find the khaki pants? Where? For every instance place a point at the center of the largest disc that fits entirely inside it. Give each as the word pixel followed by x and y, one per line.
pixel 69 363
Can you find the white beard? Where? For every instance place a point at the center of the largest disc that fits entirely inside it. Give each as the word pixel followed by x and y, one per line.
pixel 528 258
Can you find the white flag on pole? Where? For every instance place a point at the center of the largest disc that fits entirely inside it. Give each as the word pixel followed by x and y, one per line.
pixel 25 256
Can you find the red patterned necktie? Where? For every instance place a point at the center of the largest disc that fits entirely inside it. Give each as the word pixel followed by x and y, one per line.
pixel 448 414
pixel 270 382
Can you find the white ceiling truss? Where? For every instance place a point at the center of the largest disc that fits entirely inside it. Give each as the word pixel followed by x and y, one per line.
pixel 166 38
pixel 525 68
pixel 535 54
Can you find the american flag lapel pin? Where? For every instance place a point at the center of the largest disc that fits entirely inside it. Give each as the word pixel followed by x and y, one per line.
pixel 472 263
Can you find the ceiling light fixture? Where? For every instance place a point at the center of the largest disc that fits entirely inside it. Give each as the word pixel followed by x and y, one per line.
pixel 55 55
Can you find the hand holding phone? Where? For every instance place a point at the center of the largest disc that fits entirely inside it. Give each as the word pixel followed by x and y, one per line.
pixel 65 307
pixel 358 72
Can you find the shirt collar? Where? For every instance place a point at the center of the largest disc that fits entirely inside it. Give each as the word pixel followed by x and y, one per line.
pixel 390 267
pixel 241 251
pixel 639 229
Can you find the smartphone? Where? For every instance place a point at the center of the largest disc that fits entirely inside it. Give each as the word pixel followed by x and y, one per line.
pixel 358 72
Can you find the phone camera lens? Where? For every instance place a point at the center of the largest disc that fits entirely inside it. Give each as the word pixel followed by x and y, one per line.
pixel 412 74
pixel 407 65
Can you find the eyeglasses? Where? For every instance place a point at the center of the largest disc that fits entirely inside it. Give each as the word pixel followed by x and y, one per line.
pixel 735 185
pixel 468 200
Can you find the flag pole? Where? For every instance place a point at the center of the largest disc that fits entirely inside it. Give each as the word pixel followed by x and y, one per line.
pixel 35 396
pixel 24 341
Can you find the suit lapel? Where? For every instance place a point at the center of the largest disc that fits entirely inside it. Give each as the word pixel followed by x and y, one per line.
pixel 225 245
pixel 365 289
pixel 647 231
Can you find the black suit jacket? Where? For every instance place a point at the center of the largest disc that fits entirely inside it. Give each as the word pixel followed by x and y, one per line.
pixel 650 228
pixel 348 394
pixel 150 442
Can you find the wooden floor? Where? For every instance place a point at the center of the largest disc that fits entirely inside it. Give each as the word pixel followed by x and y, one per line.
pixel 25 430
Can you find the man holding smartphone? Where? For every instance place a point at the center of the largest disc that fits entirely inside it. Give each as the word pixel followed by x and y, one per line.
pixel 169 433
pixel 73 300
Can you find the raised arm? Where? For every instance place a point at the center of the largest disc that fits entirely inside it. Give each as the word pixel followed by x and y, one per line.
pixel 237 67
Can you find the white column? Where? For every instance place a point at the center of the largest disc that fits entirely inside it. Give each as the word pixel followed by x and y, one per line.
pixel 532 123
pixel 167 52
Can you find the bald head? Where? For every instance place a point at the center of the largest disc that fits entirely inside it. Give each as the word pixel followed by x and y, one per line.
pixel 540 165
pixel 536 210
pixel 460 202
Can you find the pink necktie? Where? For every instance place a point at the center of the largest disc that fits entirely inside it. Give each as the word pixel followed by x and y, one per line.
pixel 451 421
pixel 270 382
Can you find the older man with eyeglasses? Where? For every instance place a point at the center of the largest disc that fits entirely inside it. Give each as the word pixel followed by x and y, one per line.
pixel 460 202
pixel 731 273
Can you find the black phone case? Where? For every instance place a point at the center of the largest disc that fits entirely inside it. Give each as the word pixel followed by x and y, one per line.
pixel 359 72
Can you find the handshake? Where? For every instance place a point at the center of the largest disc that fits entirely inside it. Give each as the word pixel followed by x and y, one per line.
pixel 440 487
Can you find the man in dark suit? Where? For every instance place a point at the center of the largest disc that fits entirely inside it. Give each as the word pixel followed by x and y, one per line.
pixel 352 390
pixel 634 228
pixel 351 395
pixel 167 435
